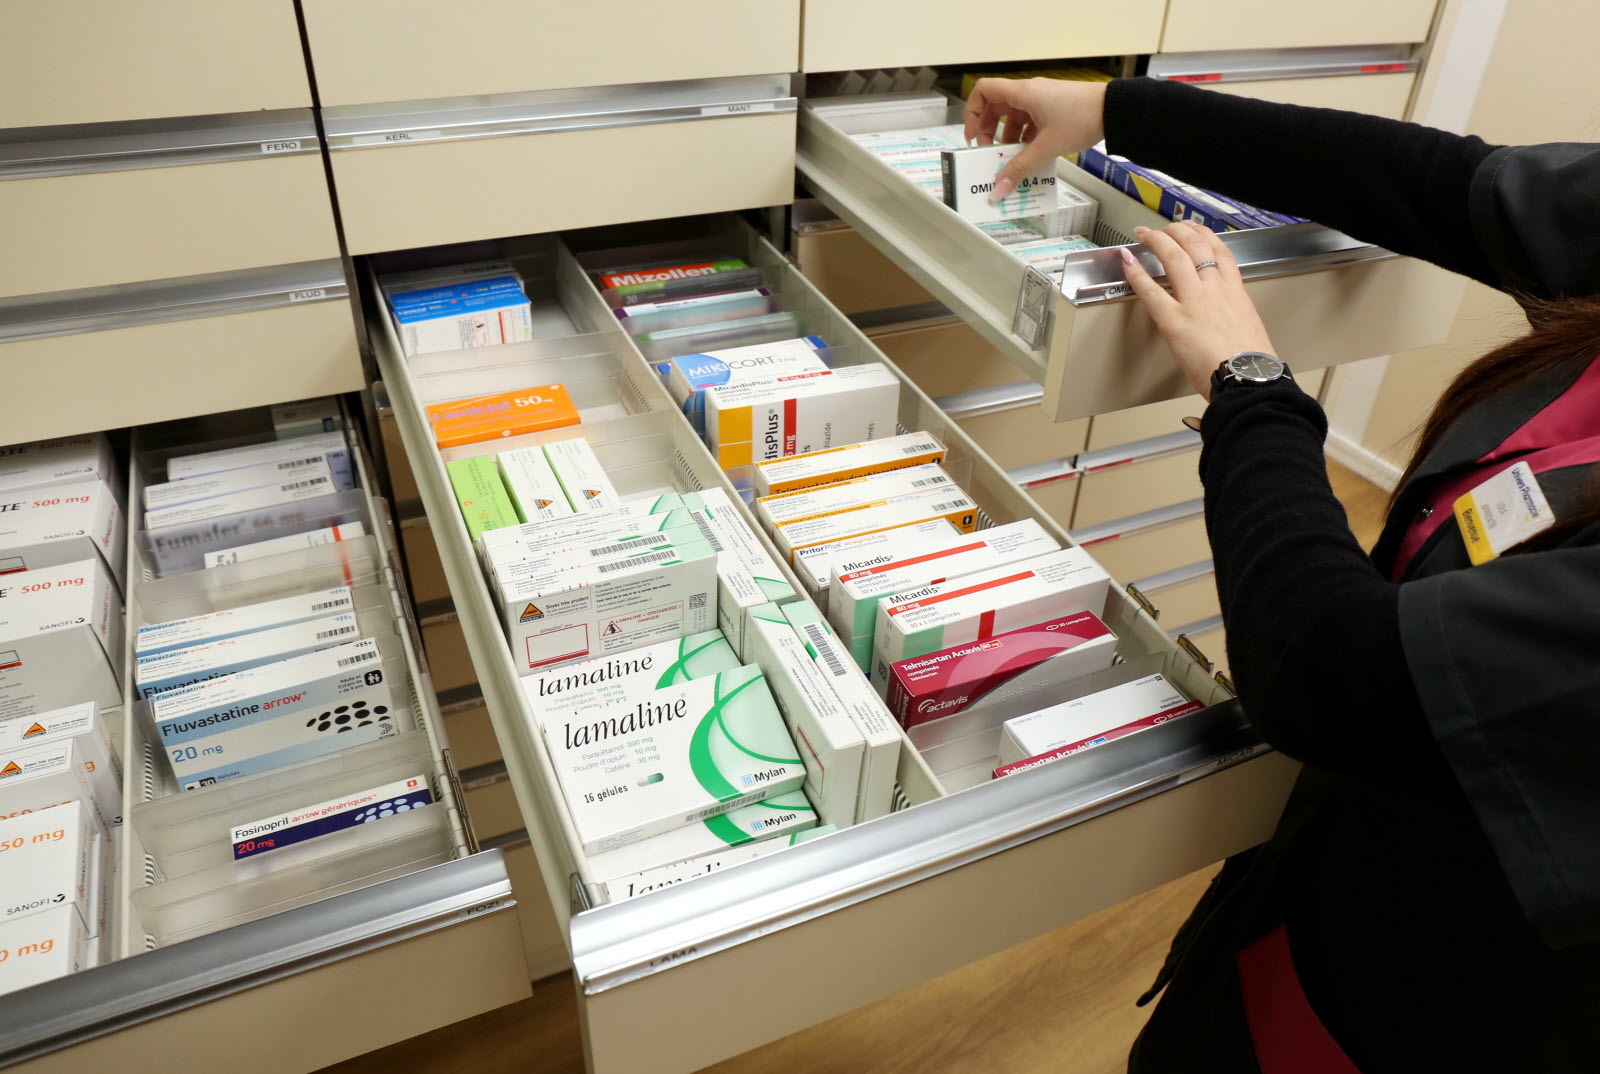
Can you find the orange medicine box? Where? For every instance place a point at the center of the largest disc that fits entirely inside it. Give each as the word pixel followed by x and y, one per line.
pixel 491 417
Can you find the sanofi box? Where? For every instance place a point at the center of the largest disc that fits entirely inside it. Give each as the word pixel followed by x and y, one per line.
pixel 782 815
pixel 174 669
pixel 65 523
pixel 642 883
pixel 60 638
pixel 333 815
pixel 42 777
pixel 689 375
pixel 42 947
pixel 81 725
pixel 44 861
pixel 231 622
pixel 64 461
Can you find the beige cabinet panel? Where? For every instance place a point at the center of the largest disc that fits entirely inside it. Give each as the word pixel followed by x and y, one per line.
pixel 542 941
pixel 844 34
pixel 492 808
pixel 854 275
pixel 369 51
pixel 1058 498
pixel 72 231
pixel 1209 25
pixel 63 61
pixel 1136 487
pixel 471 736
pixel 1187 602
pixel 1377 95
pixel 1025 435
pixel 944 359
pixel 1142 553
pixel 1159 419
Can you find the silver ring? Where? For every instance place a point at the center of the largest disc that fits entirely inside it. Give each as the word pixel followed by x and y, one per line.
pixel 1205 264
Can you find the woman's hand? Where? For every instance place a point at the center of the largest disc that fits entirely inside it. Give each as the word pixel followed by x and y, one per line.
pixel 1208 317
pixel 1054 116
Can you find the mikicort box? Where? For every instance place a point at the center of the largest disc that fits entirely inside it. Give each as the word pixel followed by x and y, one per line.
pixel 231 622
pixel 193 489
pixel 276 714
pixel 293 543
pixel 976 606
pixel 666 876
pixel 174 669
pixel 784 508
pixel 331 445
pixel 532 485
pixel 49 527
pixel 782 815
pixel 969 176
pixel 333 815
pixel 577 688
pixel 81 725
pixel 815 565
pixel 945 501
pixel 42 947
pixel 1060 730
pixel 44 861
pixel 41 777
pixel 788 415
pixel 60 638
pixel 63 461
pixel 582 477
pixel 689 375
pixel 656 761
pixel 941 684
pixel 831 465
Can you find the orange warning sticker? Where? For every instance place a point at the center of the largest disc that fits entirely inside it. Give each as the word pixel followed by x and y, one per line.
pixel 11 769
pixel 36 729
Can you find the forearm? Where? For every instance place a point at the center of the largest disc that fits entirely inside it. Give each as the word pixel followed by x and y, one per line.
pixel 1399 185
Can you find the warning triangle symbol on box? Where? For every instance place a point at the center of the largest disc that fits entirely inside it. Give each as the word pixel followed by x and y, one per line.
pixel 530 612
pixel 11 769
pixel 590 494
pixel 613 628
pixel 542 504
pixel 36 729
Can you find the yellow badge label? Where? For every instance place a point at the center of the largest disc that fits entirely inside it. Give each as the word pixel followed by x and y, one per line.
pixel 1503 512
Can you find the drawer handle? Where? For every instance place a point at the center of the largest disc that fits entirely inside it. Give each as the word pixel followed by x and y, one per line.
pixel 1258 65
pixel 85 148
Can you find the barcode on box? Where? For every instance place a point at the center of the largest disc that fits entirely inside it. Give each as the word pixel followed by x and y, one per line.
pixel 819 641
pixel 710 535
pixel 329 605
pixel 917 449
pixel 296 464
pixel 951 506
pixel 924 482
pixel 359 658
pixel 324 635
pixel 614 549
pixel 637 561
pixel 308 483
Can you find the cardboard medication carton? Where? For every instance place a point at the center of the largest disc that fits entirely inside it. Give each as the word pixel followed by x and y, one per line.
pixel 81 725
pixel 789 415
pixel 853 594
pixel 307 417
pixel 581 476
pixel 651 276
pixel 204 487
pixel 772 477
pixel 969 176
pixel 656 761
pixel 643 317
pixel 64 461
pixel 814 565
pixel 480 494
pixel 278 545
pixel 532 485
pixel 577 688
pixel 1050 255
pixel 42 947
pixel 616 536
pixel 782 815
pixel 685 287
pixel 1061 730
pixel 942 684
pixel 852 495
pixel 460 317
pixel 231 505
pixel 331 445
pixel 41 777
pixel 749 576
pixel 504 414
pixel 977 606
pixel 276 714
pixel 60 638
pixel 232 622
pixel 689 375
pixel 944 501
pixel 176 668
pixel 333 815
pixel 642 883
pixel 497 543
pixel 545 569
pixel 44 861
pixel 60 524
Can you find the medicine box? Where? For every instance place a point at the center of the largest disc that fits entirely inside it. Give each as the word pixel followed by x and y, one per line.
pixel 977 606
pixel 969 176
pixel 496 544
pixel 480 494
pixel 852 495
pixel 656 761
pixel 942 684
pixel 232 622
pixel 686 287
pixel 194 489
pixel 334 815
pixel 543 569
pixel 532 485
pixel 81 725
pixel 689 375
pixel 42 947
pixel 831 465
pixel 331 445
pixel 64 461
pixel 40 777
pixel 463 316
pixel 1050 255
pixel 60 638
pixel 945 501
pixel 789 415
pixel 65 523
pixel 1064 729
pixel 642 883
pixel 650 276
pixel 276 714
pixel 582 477
pixel 231 505
pixel 174 669
pixel 44 861
pixel 578 688
pixel 307 417
pixel 643 317
pixel 749 577
pixel 504 414
pixel 293 543
pixel 814 565
pixel 782 815
pixel 609 536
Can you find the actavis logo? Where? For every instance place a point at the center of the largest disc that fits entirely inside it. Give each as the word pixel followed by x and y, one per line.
pixel 941 706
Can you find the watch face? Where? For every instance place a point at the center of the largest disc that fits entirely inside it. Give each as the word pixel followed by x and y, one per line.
pixel 1255 366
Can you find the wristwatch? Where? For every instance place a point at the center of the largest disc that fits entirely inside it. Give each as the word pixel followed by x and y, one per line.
pixel 1249 367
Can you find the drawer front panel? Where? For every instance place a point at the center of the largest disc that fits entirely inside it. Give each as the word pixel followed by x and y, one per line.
pixel 1377 95
pixel 1153 551
pixel 1159 419
pixel 1207 25
pixel 1187 602
pixel 844 34
pixel 105 62
pixel 1131 489
pixel 853 274
pixel 369 51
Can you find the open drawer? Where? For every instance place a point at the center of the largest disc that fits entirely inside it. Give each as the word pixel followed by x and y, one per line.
pixel 327 939
pixel 979 865
pixel 1326 298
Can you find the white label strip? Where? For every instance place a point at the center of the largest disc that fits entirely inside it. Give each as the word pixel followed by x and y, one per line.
pixel 737 109
pixel 394 137
pixel 291 146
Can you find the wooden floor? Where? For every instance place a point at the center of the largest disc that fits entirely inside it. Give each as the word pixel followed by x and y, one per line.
pixel 1060 1003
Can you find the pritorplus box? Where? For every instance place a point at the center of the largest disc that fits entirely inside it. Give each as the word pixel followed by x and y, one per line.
pixel 689 375
pixel 331 445
pixel 610 608
pixel 1063 729
pixel 789 415
pixel 969 176
pixel 977 606
pixel 506 541
pixel 44 861
pixel 176 668
pixel 582 477
pixel 276 714
pixel 231 622
pixel 666 876
pixel 656 761
pixel 292 543
pixel 204 487
pixel 814 565
pixel 945 501
pixel 65 461
pixel 781 815
pixel 853 594
pixel 592 684
pixel 60 638
pixel 49 527
pixel 504 414
pixel 831 465
pixel 832 746
pixel 880 760
pixel 532 485
pixel 307 417
pixel 41 777
pixel 81 725
pixel 931 687
pixel 784 508
pixel 232 504
pixel 334 815
pixel 480 494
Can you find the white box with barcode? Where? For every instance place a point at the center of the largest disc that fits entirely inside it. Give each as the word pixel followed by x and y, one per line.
pixel 60 638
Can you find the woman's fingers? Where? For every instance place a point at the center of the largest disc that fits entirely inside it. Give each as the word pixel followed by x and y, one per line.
pixel 1221 254
pixel 1155 298
pixel 991 99
pixel 1197 246
pixel 1174 258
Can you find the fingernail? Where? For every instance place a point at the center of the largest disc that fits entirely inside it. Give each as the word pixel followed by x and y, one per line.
pixel 1127 255
pixel 1140 230
pixel 1192 224
pixel 1002 186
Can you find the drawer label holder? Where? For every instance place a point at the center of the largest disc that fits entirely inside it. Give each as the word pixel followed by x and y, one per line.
pixel 1031 323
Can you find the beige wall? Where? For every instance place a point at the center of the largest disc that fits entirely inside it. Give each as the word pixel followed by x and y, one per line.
pixel 1540 86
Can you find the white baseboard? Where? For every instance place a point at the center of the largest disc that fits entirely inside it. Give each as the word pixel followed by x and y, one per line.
pixel 1364 461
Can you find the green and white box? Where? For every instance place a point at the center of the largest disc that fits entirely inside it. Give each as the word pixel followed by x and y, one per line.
pixel 505 542
pixel 60 638
pixel 532 484
pixel 656 761
pixel 815 565
pixel 578 688
pixel 628 887
pixel 741 540
pixel 781 815
pixel 933 617
pixel 582 477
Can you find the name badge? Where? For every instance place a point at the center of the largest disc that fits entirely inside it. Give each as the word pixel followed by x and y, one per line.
pixel 1503 512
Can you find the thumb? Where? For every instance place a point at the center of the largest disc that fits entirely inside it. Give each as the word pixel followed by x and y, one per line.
pixel 1034 156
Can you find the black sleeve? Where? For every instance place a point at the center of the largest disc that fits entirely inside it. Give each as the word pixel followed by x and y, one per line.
pixel 1313 628
pixel 1399 185
pixel 1536 210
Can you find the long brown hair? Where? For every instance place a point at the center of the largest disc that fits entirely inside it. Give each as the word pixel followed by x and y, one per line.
pixel 1563 335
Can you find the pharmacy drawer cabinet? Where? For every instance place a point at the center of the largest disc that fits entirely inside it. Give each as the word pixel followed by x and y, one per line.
pixel 1196 25
pixel 82 62
pixel 373 51
pixel 1376 79
pixel 657 975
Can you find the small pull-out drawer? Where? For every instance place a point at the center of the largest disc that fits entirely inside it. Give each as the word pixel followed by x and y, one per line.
pixel 1136 478
pixel 425 173
pixel 846 34
pixel 94 63
pixel 176 348
pixel 371 51
pixel 1374 79
pixel 1159 419
pixel 107 203
pixel 1326 298
pixel 1201 25
pixel 1148 544
pixel 1184 595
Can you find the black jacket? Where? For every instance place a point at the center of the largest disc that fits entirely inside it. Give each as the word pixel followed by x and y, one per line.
pixel 1438 865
